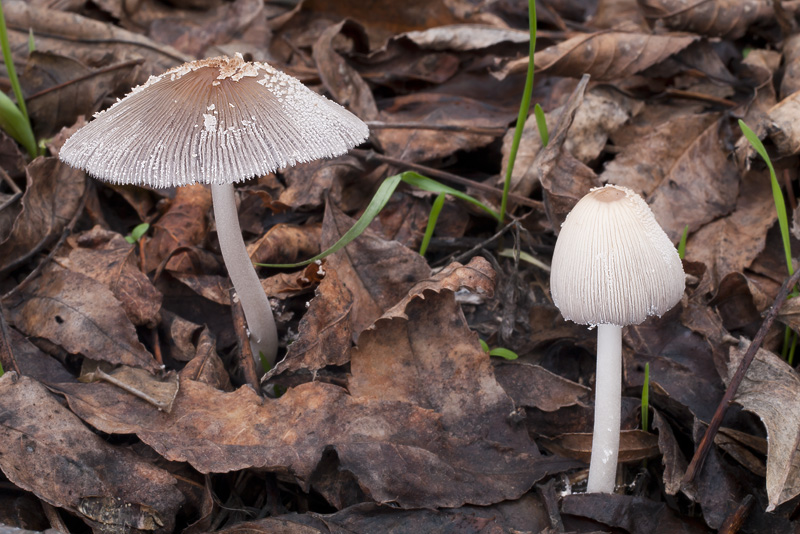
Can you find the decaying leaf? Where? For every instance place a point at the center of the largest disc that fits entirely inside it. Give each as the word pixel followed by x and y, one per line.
pixel 80 315
pixel 634 445
pixel 52 194
pixel 48 451
pixel 160 392
pixel 770 389
pixel 378 273
pixel 183 225
pixel 714 18
pixel 682 169
pixel 609 55
pixel 106 257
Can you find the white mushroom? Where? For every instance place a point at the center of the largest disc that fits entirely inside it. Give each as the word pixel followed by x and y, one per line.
pixel 612 266
pixel 216 121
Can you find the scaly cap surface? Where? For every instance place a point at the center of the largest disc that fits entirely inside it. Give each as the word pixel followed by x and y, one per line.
pixel 216 120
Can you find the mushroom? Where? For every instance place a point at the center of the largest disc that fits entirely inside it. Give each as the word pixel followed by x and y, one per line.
pixel 216 121
pixel 612 266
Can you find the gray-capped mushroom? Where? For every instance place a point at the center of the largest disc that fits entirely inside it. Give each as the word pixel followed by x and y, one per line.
pixel 613 266
pixel 216 121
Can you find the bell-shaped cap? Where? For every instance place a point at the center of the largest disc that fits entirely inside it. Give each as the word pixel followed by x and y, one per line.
pixel 216 120
pixel 613 264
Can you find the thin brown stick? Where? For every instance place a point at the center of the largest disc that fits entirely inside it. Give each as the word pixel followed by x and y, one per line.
pixel 245 352
pixel 480 130
pixel 94 73
pixel 7 358
pixel 734 522
pixel 708 438
pixel 11 183
pixel 368 155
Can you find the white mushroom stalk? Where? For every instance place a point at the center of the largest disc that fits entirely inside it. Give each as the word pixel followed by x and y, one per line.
pixel 216 121
pixel 612 266
pixel 255 304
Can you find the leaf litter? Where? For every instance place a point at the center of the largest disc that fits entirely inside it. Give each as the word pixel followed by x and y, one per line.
pixel 124 406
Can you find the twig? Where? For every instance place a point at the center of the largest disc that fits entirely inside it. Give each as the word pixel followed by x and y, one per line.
pixel 480 130
pixel 368 155
pixel 6 354
pixel 110 68
pixel 734 521
pixel 483 244
pixel 708 438
pixel 245 352
pixel 11 183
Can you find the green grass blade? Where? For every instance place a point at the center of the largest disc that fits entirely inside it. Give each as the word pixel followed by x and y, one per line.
pixel 523 111
pixel 541 124
pixel 436 209
pixel 24 133
pixel 682 243
pixel 500 352
pixel 646 399
pixel 524 256
pixel 16 125
pixel 31 42
pixel 428 184
pixel 777 195
pixel 375 206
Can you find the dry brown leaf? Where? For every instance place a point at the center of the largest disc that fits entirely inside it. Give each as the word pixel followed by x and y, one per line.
pixel 675 463
pixel 80 315
pixel 90 41
pixel 477 276
pixel 683 170
pixel 713 18
pixel 106 257
pixel 345 84
pixel 49 452
pixel 52 195
pixel 286 243
pixel 191 31
pixel 634 445
pixel 783 129
pixel 635 515
pixel 601 112
pixel 532 385
pixel 770 389
pixel 385 18
pixel 159 391
pixel 731 243
pixel 465 37
pixel 453 424
pixel 790 83
pixel 610 55
pixel 378 273
pixel 438 108
pixel 325 331
pixel 564 179
pixel 59 88
pixel 184 224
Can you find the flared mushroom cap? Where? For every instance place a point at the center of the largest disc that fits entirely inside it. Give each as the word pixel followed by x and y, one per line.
pixel 216 120
pixel 613 264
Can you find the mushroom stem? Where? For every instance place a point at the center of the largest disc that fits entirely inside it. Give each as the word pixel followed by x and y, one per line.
pixel 607 409
pixel 255 304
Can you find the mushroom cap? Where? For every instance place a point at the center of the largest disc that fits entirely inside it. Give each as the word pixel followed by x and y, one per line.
pixel 217 120
pixel 613 264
